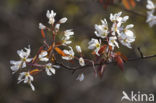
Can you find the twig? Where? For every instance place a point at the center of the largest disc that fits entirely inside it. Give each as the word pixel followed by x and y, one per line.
pixel 140 52
pixel 90 65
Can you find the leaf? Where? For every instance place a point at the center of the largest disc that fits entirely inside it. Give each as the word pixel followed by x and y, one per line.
pixel 59 51
pixel 126 4
pixel 102 49
pixel 51 47
pixel 119 62
pixel 132 2
pixel 42 33
pixel 122 56
pixel 34 71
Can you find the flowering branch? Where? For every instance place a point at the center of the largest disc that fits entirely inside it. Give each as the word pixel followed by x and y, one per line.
pixel 57 50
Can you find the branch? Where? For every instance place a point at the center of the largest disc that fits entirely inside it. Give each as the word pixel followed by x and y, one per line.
pixel 90 65
pixel 130 11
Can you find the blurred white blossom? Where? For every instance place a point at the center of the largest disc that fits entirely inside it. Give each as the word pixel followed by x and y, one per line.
pixel 112 42
pixel 101 30
pixel 78 48
pixel 50 68
pixel 80 77
pixel 41 26
pixel 26 78
pixel 95 44
pixel 81 61
pixel 51 16
pixel 151 18
pixel 63 20
pixel 23 54
pixel 127 36
pixel 43 56
pixel 69 54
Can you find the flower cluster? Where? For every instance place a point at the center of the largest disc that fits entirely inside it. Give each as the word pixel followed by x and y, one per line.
pixel 46 59
pixel 108 40
pixel 112 37
pixel 151 18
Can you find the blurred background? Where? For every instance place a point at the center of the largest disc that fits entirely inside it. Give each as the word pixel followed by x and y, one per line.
pixel 19 27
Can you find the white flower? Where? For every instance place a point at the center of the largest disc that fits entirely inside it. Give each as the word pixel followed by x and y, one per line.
pixel 51 16
pixel 57 27
pixel 43 56
pixel 102 30
pixel 78 48
pixel 150 5
pixel 117 22
pixel 95 44
pixel 127 30
pixel 151 18
pixel 63 20
pixel 126 40
pixel 16 65
pixel 50 69
pixel 69 54
pixel 127 36
pixel 41 26
pixel 115 17
pixel 112 42
pixel 26 78
pixel 68 33
pixel 66 41
pixel 80 77
pixel 116 28
pixel 81 61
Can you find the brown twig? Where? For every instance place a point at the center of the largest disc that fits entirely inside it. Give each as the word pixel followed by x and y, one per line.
pixel 90 65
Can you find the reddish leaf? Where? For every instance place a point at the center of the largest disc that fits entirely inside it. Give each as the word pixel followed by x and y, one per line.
pixel 42 33
pixel 51 47
pixel 34 71
pixel 126 4
pixel 122 56
pixel 59 51
pixel 132 2
pixel 119 62
pixel 102 49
